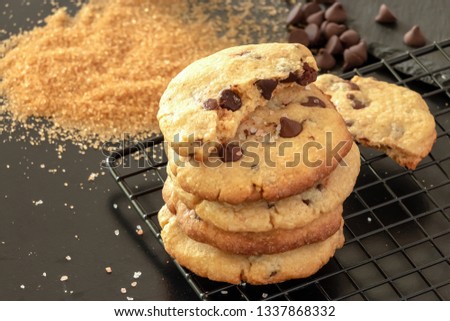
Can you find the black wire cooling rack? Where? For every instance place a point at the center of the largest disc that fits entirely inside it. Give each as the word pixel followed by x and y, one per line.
pixel 397 221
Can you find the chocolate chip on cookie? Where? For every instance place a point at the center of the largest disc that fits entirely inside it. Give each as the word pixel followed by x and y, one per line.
pixel 211 104
pixel 266 87
pixel 289 128
pixel 230 100
pixel 356 103
pixel 352 85
pixel 230 152
pixel 309 75
pixel 313 102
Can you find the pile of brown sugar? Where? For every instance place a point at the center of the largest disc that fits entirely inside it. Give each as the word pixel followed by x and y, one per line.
pixel 101 73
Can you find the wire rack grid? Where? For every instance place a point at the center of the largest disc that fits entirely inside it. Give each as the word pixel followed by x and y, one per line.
pixel 397 221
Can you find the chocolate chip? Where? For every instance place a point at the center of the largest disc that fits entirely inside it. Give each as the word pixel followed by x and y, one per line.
pixel 211 104
pixel 349 123
pixel 306 202
pixel 316 18
pixel 313 32
pixel 295 16
pixel 310 8
pixel 230 100
pixel 414 37
pixel 313 101
pixel 291 78
pixel 320 187
pixel 336 13
pixel 309 75
pixel 325 61
pixel 230 152
pixel 356 103
pixel 355 56
pixel 385 15
pixel 289 128
pixel 349 38
pixel 352 85
pixel 266 87
pixel 298 35
pixel 334 46
pixel 330 29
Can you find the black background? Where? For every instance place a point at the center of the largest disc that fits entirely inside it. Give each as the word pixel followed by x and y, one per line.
pixel 79 220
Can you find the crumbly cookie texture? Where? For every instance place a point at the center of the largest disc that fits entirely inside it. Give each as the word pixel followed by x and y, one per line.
pixel 277 152
pixel 251 243
pixel 261 216
pixel 384 116
pixel 208 261
pixel 210 98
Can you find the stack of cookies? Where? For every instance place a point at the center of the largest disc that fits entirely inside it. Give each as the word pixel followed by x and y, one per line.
pixel 260 163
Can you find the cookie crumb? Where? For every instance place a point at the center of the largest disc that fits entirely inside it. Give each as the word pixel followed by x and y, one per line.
pixel 224 292
pixel 92 177
pixel 133 284
pixel 108 269
pixel 139 230
pixel 40 202
pixel 115 206
pixel 129 298
pixel 68 258
pixel 117 232
pixel 22 286
pixel 264 295
pixel 123 290
pixel 44 274
pixel 64 278
pixel 137 274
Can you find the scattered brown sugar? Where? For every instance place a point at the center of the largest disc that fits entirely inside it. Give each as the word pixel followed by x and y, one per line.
pixel 101 73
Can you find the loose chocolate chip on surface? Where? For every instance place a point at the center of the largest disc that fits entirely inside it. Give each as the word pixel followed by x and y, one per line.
pixel 266 87
pixel 295 15
pixel 309 75
pixel 230 100
pixel 414 37
pixel 211 104
pixel 313 101
pixel 355 56
pixel 349 38
pixel 356 103
pixel 316 18
pixel 325 61
pixel 336 13
pixel 230 152
pixel 313 32
pixel 331 28
pixel 310 8
pixel 298 35
pixel 334 46
pixel 289 128
pixel 385 15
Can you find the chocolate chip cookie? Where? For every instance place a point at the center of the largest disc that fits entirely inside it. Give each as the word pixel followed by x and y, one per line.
pixel 210 98
pixel 262 216
pixel 208 261
pixel 279 150
pixel 384 116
